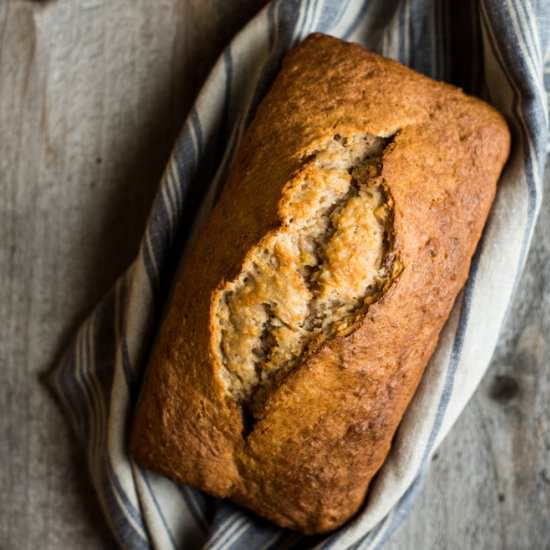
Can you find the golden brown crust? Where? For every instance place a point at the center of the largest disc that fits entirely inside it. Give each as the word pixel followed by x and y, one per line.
pixel 326 430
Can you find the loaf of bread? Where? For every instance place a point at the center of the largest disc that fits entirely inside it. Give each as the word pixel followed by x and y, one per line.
pixel 306 312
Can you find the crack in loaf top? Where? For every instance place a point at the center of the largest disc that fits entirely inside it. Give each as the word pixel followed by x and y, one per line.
pixel 313 276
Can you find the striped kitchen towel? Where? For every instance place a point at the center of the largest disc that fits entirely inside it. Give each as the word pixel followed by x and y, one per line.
pixel 497 49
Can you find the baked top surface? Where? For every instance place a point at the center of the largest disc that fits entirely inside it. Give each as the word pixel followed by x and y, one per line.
pixel 323 432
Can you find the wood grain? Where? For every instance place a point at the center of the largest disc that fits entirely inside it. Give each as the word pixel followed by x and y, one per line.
pixel 92 94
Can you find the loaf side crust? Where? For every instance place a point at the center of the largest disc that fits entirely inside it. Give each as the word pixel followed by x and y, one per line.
pixel 324 432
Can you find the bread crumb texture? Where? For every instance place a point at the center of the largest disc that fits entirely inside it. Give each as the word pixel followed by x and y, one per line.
pixel 314 275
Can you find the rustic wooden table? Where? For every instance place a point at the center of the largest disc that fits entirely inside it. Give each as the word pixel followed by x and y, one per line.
pixel 92 93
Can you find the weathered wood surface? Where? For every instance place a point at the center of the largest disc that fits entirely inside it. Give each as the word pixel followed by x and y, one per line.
pixel 92 93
